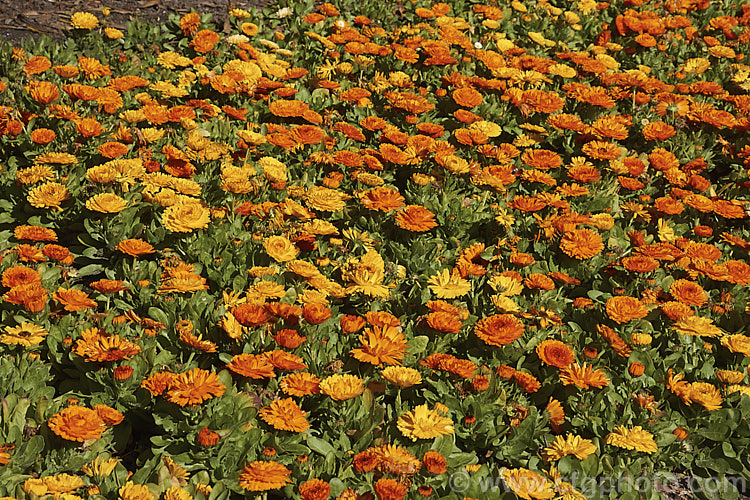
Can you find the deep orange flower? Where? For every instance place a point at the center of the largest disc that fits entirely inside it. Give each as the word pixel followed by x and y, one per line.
pixel 688 292
pixel 73 300
pixel 581 243
pixel 444 322
pixel 300 384
pixel 290 108
pixel 109 415
pixel 382 318
pixel 251 315
pixel 34 233
pixel 624 309
pixel 135 247
pixel 58 253
pixel 255 366
pixel 499 329
pixel 316 313
pixel 285 415
pixel 264 476
pixel 467 97
pixel 109 286
pixel 194 387
pixel 583 377
pixel 435 463
pixel 314 489
pixel 77 423
pixel 98 346
pixel 285 360
pixel 204 41
pixel 291 339
pixel 541 158
pixel 640 263
pixel 383 198
pixel 390 489
pixel 351 323
pixel 20 275
pixel 658 131
pixel 415 218
pixel 555 353
pixel 31 295
pixel 207 437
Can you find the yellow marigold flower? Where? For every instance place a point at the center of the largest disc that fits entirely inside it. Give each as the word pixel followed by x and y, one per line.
pixel 280 248
pixel 448 285
pixel 25 334
pixel 48 195
pixel 132 491
pixel 528 484
pixel 423 423
pixel 186 216
pixel 401 376
pixel 107 203
pixel 84 21
pixel 569 445
pixel 634 438
pixel 341 387
pixel 100 467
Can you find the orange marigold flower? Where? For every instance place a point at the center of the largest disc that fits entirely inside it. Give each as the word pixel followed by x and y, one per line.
pixel 264 476
pixel 314 489
pixel 467 97
pixel 288 108
pixel 658 131
pixel 109 415
pixel 77 423
pixel 390 489
pixel 351 323
pixel 381 345
pixel 255 366
pixel 73 300
pixel 251 315
pixel 58 253
pixel 300 384
pixel 315 313
pixel 109 286
pixel 555 353
pixel 34 233
pixel 207 437
pixel 415 218
pixel 688 292
pixel 283 360
pixel 583 376
pixel 157 383
pixel 383 198
pixel 624 309
pixel 444 322
pixel 285 415
pixel 135 247
pixel 194 387
pixel 499 329
pixel 20 275
pixel 581 243
pixel 435 463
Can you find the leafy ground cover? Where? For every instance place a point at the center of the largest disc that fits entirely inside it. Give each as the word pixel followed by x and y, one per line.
pixel 448 250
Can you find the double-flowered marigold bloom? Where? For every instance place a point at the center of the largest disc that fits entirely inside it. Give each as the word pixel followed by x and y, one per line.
pixel 381 345
pixel 499 329
pixel 264 476
pixel 77 423
pixel 285 415
pixel 194 387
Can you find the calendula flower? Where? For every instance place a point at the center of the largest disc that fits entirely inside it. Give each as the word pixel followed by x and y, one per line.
pixel 185 217
pixel 84 21
pixel 77 423
pixel 285 415
pixel 341 387
pixel 194 387
pixel 381 345
pixel 424 423
pixel 264 476
pixel 448 284
pixel 107 203
pixel 528 484
pixel 569 445
pixel 634 438
pixel 25 334
pixel 48 195
pixel 401 376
